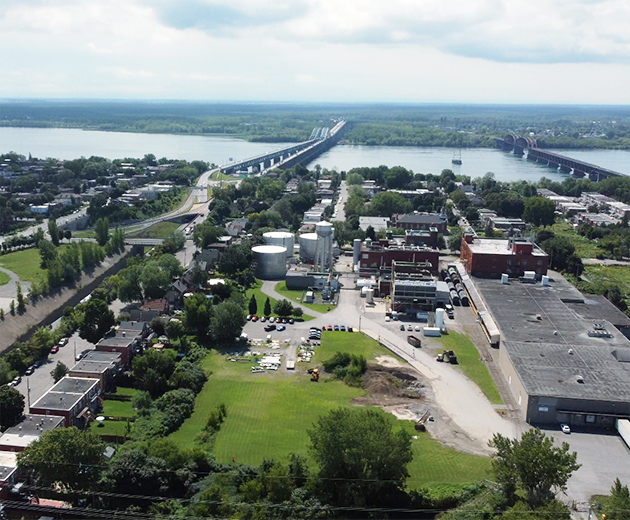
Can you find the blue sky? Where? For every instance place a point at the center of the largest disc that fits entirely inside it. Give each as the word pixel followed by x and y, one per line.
pixel 540 51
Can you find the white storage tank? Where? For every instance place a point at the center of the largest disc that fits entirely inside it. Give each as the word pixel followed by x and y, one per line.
pixel 369 295
pixel 308 247
pixel 356 251
pixel 545 280
pixel 439 318
pixel 270 262
pixel 280 238
pixel 504 279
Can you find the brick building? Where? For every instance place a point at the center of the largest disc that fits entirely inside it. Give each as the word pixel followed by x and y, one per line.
pixel 381 254
pixel 421 221
pixel 489 257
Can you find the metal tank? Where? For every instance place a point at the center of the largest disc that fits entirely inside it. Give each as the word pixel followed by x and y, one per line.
pixel 324 254
pixel 271 262
pixel 356 251
pixel 280 238
pixel 308 247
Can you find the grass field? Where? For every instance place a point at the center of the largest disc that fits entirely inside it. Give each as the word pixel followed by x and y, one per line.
pixel 296 296
pixel 262 297
pixel 352 342
pixel 84 233
pixel 159 230
pixel 269 414
pixel 584 247
pixel 25 263
pixel 601 276
pixel 4 278
pixel 219 176
pixel 470 362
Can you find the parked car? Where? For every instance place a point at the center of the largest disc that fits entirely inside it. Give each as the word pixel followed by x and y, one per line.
pixel 249 317
pixel 16 381
pixel 281 328
pixel 336 327
pixel 63 342
pixel 30 370
pixel 565 428
pixel 417 328
pixel 291 321
pixel 329 327
pixel 409 328
pixel 270 327
pixel 55 349
pixel 272 319
pixel 263 319
pixel 254 318
pixel 402 327
pixel 342 328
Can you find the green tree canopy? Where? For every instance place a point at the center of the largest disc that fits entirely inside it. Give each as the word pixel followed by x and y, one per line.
pixel 362 461
pixel 228 322
pixel 539 211
pixel 532 464
pixel 98 318
pixel 283 308
pixel 64 455
pixel 101 229
pixel 387 202
pixel 11 406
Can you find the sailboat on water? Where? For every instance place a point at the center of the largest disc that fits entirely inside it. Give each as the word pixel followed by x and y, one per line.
pixel 457 157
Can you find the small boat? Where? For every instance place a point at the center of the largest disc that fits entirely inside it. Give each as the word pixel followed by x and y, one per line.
pixel 457 157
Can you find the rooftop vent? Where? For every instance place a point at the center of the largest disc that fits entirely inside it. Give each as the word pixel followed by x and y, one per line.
pixel 579 379
pixel 570 351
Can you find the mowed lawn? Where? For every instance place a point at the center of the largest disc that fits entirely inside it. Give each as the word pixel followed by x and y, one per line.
pixel 159 230
pixel 469 360
pixel 4 278
pixel 296 296
pixel 26 264
pixel 261 298
pixel 269 415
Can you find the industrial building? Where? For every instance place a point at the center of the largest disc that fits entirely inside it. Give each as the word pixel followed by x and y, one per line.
pixel 493 257
pixel 564 355
pixel 421 221
pixel 376 255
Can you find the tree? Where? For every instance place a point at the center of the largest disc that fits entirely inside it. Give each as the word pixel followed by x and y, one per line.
pixel 53 231
pixel 11 406
pixel 98 319
pixel 283 308
pixel 21 304
pixel 362 461
pixel 187 375
pixel 539 211
pixel 387 202
pixel 253 305
pixel 455 240
pixel 471 214
pixel 298 312
pixel 129 288
pixel 174 329
pixel 267 309
pixel 560 250
pixel 533 464
pixel 64 455
pixel 102 231
pixel 206 234
pixel 616 297
pixel 174 242
pixel 47 252
pixel 370 233
pixel 154 280
pixel 228 322
pixel 59 371
pixel 12 307
pixel 618 506
pixel 152 370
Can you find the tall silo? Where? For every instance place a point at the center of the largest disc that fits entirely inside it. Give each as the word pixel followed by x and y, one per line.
pixel 323 254
pixel 308 247
pixel 356 251
pixel 271 262
pixel 280 238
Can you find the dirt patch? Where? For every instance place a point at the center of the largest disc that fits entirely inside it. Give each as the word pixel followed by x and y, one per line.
pixel 405 393
pixel 389 361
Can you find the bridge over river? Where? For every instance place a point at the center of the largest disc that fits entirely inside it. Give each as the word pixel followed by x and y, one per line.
pixel 519 145
pixel 289 156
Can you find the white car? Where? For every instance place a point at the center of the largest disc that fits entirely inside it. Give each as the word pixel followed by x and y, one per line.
pixel 565 428
pixel 417 328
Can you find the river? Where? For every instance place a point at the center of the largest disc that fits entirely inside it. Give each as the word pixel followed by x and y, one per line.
pixel 72 143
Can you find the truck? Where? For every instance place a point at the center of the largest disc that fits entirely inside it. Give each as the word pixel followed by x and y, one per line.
pixel 412 340
pixel 450 357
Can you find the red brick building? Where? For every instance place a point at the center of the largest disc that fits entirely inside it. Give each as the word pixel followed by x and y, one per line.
pixel 378 256
pixel 493 257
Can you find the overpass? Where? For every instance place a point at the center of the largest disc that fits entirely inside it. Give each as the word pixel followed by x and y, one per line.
pixel 518 145
pixel 301 153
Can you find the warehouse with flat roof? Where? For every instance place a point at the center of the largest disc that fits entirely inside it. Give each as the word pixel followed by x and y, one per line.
pixel 563 354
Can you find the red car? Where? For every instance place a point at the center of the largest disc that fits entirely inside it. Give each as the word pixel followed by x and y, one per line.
pixel 254 318
pixel 329 327
pixel 54 350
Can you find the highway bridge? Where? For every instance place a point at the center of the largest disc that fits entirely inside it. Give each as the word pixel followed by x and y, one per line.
pixel 301 153
pixel 519 145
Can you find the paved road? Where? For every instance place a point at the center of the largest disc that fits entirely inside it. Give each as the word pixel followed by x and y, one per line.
pixel 341 201
pixel 44 225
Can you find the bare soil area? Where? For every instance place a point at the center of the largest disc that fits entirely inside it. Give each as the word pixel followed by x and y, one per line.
pixel 404 392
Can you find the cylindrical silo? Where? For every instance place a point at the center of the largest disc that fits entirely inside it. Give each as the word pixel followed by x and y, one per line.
pixel 308 247
pixel 271 262
pixel 356 251
pixel 439 318
pixel 280 238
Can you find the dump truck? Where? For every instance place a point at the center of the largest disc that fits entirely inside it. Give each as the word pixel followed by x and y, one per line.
pixel 449 357
pixel 315 375
pixel 413 340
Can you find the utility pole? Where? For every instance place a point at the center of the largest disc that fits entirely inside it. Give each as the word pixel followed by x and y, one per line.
pixel 28 393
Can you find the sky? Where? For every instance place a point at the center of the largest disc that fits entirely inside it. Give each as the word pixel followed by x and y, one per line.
pixel 463 51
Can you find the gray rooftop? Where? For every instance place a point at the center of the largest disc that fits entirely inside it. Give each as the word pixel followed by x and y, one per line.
pixel 132 325
pixel 35 425
pixel 423 218
pixel 73 385
pixel 92 367
pixel 538 327
pixel 103 356
pixel 116 341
